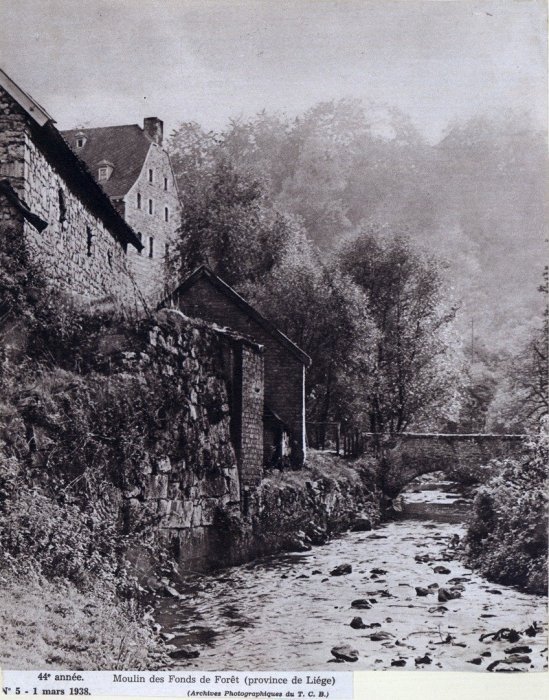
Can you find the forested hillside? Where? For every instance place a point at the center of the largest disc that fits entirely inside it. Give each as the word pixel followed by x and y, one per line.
pixel 476 197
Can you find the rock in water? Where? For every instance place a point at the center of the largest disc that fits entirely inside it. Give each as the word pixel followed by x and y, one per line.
pixel 441 570
pixel 446 594
pixel 361 604
pixel 398 662
pixel 519 650
pixel 423 660
pixel 357 623
pixel 170 591
pixel 476 661
pixel 381 636
pixel 344 652
pixel 361 524
pixel 184 653
pixel 341 570
pixel 438 609
pixel 422 591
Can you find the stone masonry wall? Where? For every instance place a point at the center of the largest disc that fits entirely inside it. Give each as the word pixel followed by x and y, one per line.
pixel 251 450
pixel 192 473
pixel 76 251
pixel 283 371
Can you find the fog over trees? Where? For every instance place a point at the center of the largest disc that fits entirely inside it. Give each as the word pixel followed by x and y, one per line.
pixel 281 206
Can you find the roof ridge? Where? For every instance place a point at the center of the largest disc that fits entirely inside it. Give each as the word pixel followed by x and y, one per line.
pixel 224 287
pixel 97 128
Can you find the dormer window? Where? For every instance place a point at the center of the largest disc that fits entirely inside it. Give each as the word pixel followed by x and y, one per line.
pixel 81 139
pixel 151 175
pixel 104 171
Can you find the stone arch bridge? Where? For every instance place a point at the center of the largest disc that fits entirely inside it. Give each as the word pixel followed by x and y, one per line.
pixel 405 456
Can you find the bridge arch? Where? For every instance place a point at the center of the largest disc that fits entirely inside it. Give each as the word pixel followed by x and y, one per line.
pixel 405 456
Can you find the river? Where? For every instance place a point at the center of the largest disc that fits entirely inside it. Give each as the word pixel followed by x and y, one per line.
pixel 287 611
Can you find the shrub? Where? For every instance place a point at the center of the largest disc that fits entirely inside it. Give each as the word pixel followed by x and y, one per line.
pixel 507 534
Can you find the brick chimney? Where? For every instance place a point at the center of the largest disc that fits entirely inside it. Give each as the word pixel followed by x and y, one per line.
pixel 154 128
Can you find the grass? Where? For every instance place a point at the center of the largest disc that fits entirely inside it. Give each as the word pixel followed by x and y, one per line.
pixel 54 625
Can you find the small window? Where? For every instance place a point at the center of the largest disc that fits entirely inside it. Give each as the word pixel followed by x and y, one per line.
pixel 89 241
pixel 140 236
pixel 103 174
pixel 151 175
pixel 166 184
pixel 139 200
pixel 166 214
pixel 62 206
pixel 80 143
pixel 109 258
pixel 151 206
pixel 151 247
pixel 166 250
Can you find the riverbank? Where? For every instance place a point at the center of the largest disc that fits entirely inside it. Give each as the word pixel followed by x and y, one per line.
pixel 297 509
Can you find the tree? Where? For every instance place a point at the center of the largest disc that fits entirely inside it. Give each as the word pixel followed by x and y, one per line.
pixel 522 400
pixel 227 223
pixel 415 373
pixel 327 315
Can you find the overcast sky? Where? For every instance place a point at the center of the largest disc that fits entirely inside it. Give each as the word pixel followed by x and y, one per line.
pixel 98 62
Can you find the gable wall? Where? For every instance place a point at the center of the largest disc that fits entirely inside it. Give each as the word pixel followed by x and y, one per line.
pixel 151 273
pixel 284 386
pixel 61 249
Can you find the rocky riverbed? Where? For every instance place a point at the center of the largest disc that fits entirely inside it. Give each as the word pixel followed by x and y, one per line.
pixel 393 598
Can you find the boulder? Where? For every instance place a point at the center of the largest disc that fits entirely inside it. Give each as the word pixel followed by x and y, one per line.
pixel 422 591
pixel 398 662
pixel 361 524
pixel 357 623
pixel 184 653
pixel 342 570
pixel 519 650
pixel 441 570
pixel 381 636
pixel 170 591
pixel 361 604
pixel 446 594
pixel 344 652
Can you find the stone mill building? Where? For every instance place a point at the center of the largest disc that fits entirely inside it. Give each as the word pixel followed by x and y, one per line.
pixel 98 209
pixel 134 170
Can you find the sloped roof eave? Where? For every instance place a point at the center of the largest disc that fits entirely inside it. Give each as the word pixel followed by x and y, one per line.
pixel 205 272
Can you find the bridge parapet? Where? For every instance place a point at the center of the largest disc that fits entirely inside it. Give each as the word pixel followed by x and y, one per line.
pixel 405 456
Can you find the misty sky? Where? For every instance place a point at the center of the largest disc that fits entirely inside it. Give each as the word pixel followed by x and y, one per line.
pixel 98 62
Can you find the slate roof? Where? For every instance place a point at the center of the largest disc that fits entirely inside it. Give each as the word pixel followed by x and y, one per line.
pixel 71 168
pixel 204 272
pixel 125 146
